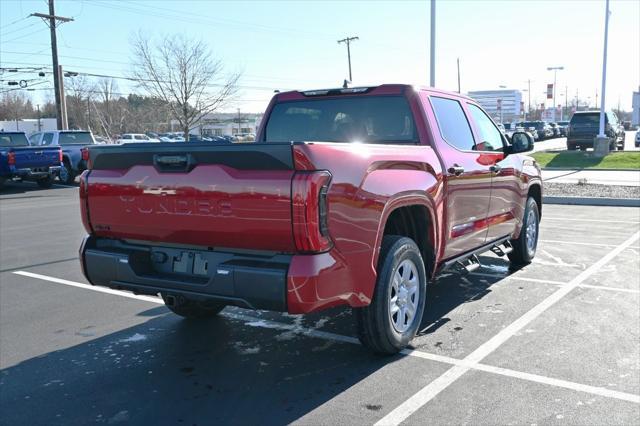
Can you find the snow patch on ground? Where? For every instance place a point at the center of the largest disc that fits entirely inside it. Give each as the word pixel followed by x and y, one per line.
pixel 135 338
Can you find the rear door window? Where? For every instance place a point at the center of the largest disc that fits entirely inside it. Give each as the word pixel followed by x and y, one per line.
pixel 453 123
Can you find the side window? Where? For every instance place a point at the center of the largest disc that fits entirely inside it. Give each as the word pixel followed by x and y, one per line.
pixel 490 137
pixel 47 139
pixel 453 124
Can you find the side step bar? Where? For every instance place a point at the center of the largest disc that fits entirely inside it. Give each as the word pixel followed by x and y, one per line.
pixel 469 261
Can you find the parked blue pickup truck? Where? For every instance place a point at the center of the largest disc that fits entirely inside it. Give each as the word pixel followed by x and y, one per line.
pixel 20 161
pixel 74 145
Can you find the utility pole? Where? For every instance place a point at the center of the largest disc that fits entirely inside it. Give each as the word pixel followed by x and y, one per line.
pixel 39 122
pixel 566 100
pixel 51 19
pixel 432 63
pixel 88 113
pixel 238 121
pixel 459 75
pixel 63 100
pixel 595 105
pixel 529 91
pixel 348 41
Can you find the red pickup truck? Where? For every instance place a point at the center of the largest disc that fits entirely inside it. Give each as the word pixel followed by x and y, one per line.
pixel 356 196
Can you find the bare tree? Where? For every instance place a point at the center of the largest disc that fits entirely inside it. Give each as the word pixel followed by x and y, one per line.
pixel 79 91
pixel 112 110
pixel 182 72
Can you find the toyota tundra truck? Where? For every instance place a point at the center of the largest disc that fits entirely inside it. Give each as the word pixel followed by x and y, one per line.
pixel 355 196
pixel 19 161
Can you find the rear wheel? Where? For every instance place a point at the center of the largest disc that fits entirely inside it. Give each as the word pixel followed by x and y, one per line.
pixel 392 319
pixel 67 176
pixel 191 308
pixel 45 183
pixel 524 248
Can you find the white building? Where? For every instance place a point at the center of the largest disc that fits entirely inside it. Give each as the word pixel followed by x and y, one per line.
pixel 502 105
pixel 220 124
pixel 29 125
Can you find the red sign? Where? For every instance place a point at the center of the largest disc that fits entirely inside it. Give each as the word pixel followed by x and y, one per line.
pixel 549 91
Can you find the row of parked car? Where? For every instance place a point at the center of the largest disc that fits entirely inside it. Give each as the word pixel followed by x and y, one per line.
pixel 580 131
pixel 63 154
pixel 179 137
pixel 540 130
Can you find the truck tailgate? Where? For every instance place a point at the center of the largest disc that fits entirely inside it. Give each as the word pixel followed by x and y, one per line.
pixel 35 157
pixel 222 196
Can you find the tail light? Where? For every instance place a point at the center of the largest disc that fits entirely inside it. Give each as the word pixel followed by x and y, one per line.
pixel 86 157
pixel 60 156
pixel 84 202
pixel 11 158
pixel 309 195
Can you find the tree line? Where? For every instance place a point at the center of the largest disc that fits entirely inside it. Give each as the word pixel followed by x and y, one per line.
pixel 179 77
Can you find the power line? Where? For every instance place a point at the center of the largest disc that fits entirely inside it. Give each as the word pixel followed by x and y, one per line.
pixel 18 29
pixel 192 18
pixel 15 22
pixel 22 36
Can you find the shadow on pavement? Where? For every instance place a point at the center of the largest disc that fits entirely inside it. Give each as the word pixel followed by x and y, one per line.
pixel 173 371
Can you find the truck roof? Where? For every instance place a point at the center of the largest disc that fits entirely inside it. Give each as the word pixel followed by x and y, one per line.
pixel 383 89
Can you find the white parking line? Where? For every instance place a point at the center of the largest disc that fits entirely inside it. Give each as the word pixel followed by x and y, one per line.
pixel 265 323
pixel 427 393
pixel 537 280
pixel 578 219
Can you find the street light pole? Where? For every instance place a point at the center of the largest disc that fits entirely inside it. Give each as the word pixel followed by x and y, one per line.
pixel 555 72
pixel 432 76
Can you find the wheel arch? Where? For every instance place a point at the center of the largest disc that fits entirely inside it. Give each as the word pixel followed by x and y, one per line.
pixel 412 216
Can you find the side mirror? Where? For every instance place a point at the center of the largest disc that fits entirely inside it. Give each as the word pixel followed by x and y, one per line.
pixel 521 142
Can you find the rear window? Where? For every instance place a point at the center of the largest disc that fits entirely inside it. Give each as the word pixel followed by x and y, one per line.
pixel 350 119
pixel 13 139
pixel 75 138
pixel 591 119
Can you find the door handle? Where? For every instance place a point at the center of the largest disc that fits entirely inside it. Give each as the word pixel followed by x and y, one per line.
pixel 456 170
pixel 495 169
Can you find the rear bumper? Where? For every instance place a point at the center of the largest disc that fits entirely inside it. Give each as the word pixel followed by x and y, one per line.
pixel 245 280
pixel 296 284
pixel 35 173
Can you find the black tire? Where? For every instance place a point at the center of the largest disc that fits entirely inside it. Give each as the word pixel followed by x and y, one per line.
pixel 193 309
pixel 523 253
pixel 45 183
pixel 2 180
pixel 571 147
pixel 374 323
pixel 67 176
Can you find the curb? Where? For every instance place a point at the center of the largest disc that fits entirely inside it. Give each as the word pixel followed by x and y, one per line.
pixel 592 201
pixel 563 169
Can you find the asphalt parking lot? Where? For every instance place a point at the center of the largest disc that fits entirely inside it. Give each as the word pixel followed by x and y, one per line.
pixel 557 342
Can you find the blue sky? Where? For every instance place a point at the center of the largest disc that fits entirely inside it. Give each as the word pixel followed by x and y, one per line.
pixel 292 44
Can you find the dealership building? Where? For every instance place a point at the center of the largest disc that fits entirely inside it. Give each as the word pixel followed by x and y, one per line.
pixel 502 105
